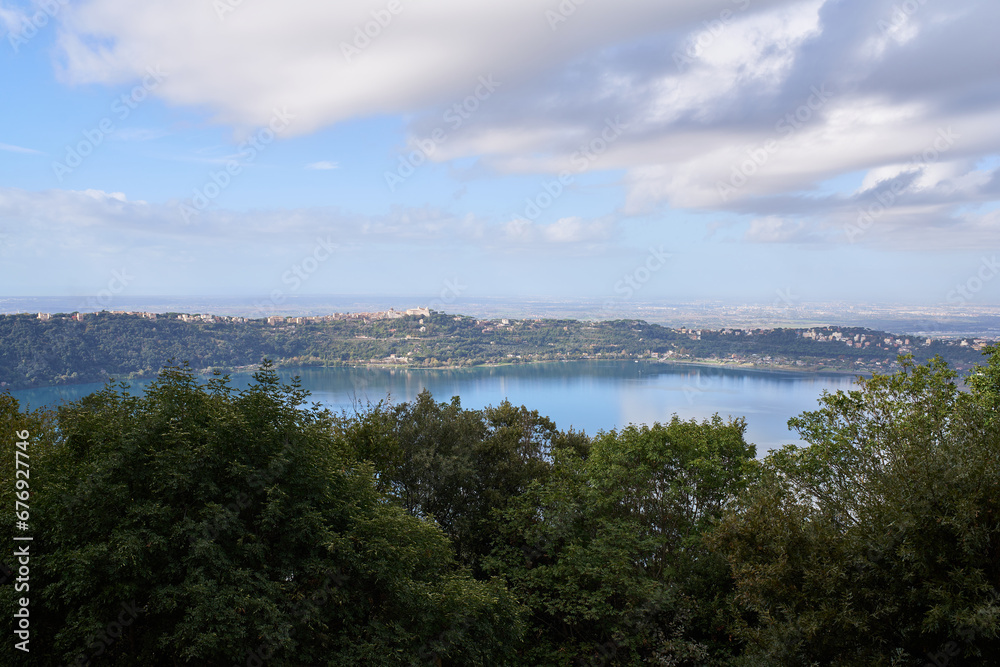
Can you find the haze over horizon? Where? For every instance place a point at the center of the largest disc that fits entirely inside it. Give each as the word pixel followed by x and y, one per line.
pixel 638 152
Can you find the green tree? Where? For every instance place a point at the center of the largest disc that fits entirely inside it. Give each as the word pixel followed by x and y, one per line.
pixel 607 552
pixel 236 527
pixel 461 467
pixel 879 542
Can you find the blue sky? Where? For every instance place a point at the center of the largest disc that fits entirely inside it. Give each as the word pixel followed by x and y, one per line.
pixel 724 149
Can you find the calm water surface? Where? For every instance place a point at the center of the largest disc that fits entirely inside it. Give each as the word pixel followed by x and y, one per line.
pixel 589 396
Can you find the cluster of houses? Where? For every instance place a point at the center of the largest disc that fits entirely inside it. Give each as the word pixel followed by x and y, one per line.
pixel 859 340
pixel 390 314
pixel 45 317
pixel 977 343
pixel 903 344
pixel 696 334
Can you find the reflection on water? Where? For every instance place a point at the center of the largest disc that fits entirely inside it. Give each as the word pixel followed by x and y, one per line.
pixel 587 395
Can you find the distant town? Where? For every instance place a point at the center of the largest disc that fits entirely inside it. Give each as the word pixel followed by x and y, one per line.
pixel 45 349
pixel 390 314
pixel 784 310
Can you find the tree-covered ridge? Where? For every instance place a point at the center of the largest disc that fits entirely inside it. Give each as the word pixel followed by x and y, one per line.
pixel 244 528
pixel 95 347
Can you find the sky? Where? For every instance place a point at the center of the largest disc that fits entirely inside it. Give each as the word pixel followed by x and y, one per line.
pixel 734 150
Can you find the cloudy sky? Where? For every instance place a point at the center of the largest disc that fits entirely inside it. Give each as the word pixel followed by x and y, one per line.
pixel 664 150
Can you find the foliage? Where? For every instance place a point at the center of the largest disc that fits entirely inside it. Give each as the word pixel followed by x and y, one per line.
pixel 607 551
pixel 461 467
pixel 238 526
pixel 879 543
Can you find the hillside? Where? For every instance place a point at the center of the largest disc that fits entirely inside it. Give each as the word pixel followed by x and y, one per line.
pixel 71 348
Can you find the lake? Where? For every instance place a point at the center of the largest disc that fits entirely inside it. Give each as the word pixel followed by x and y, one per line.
pixel 585 395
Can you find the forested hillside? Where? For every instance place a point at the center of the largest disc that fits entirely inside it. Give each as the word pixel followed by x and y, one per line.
pixel 198 524
pixel 100 346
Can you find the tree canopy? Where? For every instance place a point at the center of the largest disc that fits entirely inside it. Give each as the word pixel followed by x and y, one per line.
pixel 237 527
pixel 879 543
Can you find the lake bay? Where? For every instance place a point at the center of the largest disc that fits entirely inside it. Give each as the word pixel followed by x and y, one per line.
pixel 585 395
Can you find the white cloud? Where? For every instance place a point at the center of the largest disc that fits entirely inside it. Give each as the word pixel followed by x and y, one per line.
pixel 775 230
pixel 577 230
pixel 293 54
pixel 568 231
pixel 745 82
pixel 139 134
pixel 323 165
pixel 12 19
pixel 19 149
pixel 101 195
pixel 98 218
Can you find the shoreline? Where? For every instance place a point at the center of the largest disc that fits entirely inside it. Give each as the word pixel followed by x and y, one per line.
pixel 672 362
pixel 249 369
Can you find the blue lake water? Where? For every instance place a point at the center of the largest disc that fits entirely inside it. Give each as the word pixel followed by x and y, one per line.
pixel 588 396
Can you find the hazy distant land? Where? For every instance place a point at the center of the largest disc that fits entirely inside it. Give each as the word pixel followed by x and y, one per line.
pixel 941 320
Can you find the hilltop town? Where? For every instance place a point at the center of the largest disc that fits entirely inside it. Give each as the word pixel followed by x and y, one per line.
pixel 390 314
pixel 47 349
